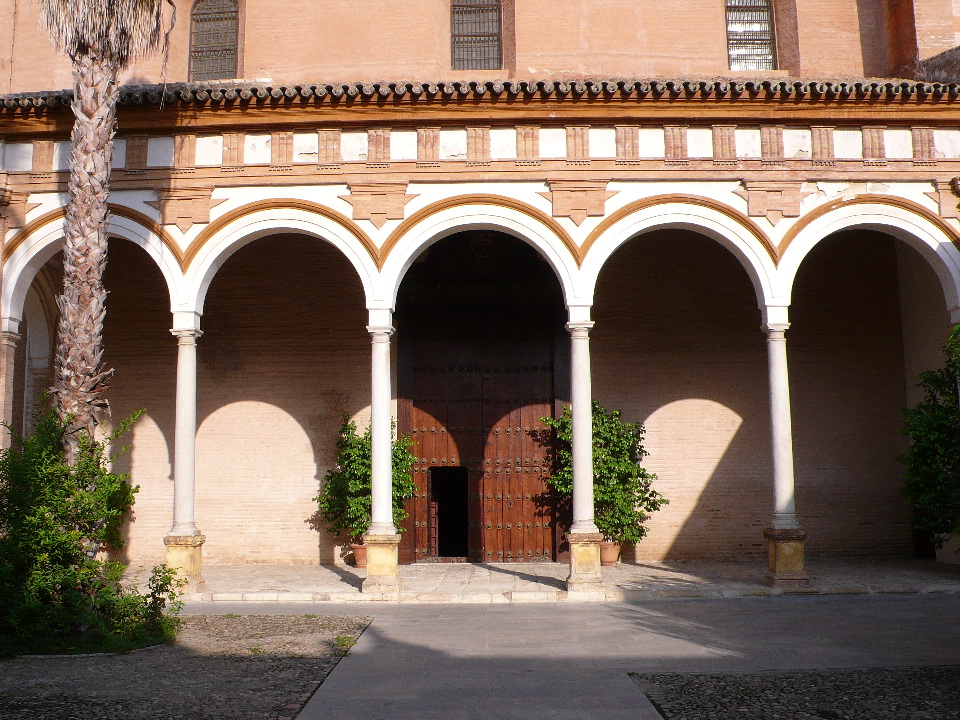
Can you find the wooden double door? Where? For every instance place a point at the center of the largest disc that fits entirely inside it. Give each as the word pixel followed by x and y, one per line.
pixel 473 391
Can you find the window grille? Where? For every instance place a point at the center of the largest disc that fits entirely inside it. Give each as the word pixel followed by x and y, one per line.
pixel 213 40
pixel 475 34
pixel 751 41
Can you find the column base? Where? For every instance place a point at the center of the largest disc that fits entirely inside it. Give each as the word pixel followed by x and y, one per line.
pixel 785 558
pixel 382 562
pixel 585 582
pixel 184 554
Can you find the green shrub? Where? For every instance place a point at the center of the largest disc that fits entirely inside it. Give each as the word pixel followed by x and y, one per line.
pixel 345 499
pixel 55 594
pixel 932 481
pixel 623 493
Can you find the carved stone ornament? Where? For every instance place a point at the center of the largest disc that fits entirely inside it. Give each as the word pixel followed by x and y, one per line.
pixel 184 206
pixel 14 208
pixel 578 199
pixel 946 193
pixel 773 200
pixel 378 202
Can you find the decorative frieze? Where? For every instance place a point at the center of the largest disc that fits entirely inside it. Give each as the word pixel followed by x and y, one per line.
pixel 874 150
pixel 137 149
pixel 42 157
pixel 724 144
pixel 924 149
pixel 773 200
pixel 378 202
pixel 184 153
pixel 428 147
pixel 821 139
pixel 184 206
pixel 675 144
pixel 528 145
pixel 328 149
pixel 578 144
pixel 378 147
pixel 771 144
pixel 478 146
pixel 578 199
pixel 628 144
pixel 947 193
pixel 281 151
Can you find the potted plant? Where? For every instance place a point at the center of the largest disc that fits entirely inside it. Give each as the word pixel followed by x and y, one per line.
pixel 623 493
pixel 345 496
pixel 932 481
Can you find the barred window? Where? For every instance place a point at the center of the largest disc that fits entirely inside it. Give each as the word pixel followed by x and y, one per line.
pixel 751 42
pixel 214 25
pixel 475 36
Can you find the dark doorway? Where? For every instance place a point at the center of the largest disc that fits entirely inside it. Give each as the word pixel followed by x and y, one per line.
pixel 448 512
pixel 481 353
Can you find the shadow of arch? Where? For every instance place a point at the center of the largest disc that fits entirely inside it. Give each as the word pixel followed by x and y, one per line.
pixel 677 345
pixel 868 314
pixel 284 342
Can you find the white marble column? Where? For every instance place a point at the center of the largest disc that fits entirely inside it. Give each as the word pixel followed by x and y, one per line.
pixel 785 538
pixel 381 430
pixel 781 433
pixel 8 350
pixel 581 400
pixel 184 542
pixel 185 433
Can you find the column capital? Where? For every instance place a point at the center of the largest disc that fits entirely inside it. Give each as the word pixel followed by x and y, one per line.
pixel 381 332
pixel 186 337
pixel 9 338
pixel 580 328
pixel 776 331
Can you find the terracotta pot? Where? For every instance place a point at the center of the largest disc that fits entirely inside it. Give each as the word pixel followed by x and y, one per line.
pixel 610 553
pixel 359 555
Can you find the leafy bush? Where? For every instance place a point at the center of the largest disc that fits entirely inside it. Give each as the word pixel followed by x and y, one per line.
pixel 55 594
pixel 345 499
pixel 932 480
pixel 623 493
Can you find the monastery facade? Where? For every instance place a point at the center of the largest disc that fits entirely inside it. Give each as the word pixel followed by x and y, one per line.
pixel 741 229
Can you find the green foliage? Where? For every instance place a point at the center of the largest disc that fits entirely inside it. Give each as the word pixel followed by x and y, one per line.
pixel 345 498
pixel 623 493
pixel 55 595
pixel 932 480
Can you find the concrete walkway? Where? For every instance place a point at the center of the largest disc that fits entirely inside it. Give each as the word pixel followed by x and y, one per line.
pixel 544 582
pixel 571 661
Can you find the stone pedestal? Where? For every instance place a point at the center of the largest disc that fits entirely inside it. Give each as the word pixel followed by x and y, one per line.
pixel 382 561
pixel 184 554
pixel 785 566
pixel 585 581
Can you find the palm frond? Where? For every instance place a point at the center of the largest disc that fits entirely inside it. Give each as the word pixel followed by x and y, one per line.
pixel 117 30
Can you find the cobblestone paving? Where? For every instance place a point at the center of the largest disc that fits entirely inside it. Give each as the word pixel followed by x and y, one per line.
pixel 220 668
pixel 909 693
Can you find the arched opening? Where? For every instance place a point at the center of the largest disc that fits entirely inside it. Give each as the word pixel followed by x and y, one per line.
pixel 481 358
pixel 677 345
pixel 868 315
pixel 283 357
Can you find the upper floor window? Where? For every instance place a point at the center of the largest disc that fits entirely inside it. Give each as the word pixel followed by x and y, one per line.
pixel 214 26
pixel 476 34
pixel 751 41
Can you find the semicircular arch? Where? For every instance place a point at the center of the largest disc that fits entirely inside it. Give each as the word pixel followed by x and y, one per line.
pixel 743 238
pixel 223 237
pixel 478 212
pixel 921 229
pixel 41 239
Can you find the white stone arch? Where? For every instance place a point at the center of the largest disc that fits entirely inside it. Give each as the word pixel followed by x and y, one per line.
pixel 917 231
pixel 34 251
pixel 702 219
pixel 271 221
pixel 477 216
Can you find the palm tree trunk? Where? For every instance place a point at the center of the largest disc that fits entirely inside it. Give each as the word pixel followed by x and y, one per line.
pixel 81 379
